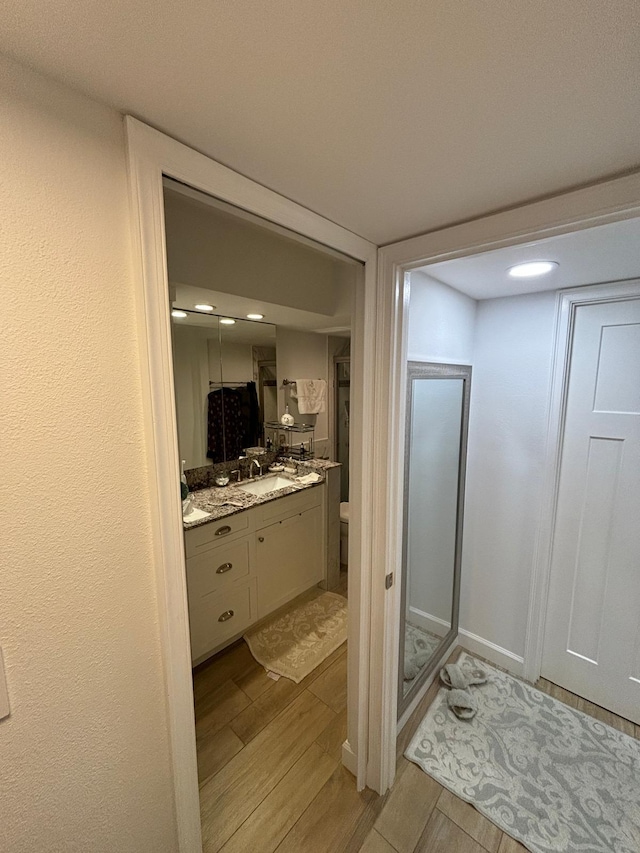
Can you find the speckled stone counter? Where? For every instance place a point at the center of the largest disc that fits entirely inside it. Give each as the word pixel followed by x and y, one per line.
pixel 223 501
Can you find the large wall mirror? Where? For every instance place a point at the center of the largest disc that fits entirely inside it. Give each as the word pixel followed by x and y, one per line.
pixel 436 444
pixel 234 375
pixel 225 382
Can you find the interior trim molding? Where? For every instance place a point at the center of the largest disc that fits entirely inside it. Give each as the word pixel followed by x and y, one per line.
pixel 492 652
pixel 151 155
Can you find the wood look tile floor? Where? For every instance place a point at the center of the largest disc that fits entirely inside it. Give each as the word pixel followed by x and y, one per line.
pixel 271 777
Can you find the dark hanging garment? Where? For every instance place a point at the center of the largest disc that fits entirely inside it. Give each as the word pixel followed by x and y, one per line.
pixel 250 409
pixel 225 428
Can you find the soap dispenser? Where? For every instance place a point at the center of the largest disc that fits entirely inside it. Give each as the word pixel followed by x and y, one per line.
pixel 286 419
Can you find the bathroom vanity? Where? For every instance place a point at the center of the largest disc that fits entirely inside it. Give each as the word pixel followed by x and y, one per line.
pixel 244 563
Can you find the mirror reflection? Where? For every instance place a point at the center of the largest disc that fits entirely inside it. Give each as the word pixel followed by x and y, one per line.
pixel 225 378
pixel 432 524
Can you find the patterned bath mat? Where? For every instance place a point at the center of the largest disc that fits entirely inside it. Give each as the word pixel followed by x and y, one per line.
pixel 419 645
pixel 294 643
pixel 554 778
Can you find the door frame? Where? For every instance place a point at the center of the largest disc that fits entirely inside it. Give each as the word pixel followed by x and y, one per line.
pixel 567 304
pixel 150 156
pixel 599 204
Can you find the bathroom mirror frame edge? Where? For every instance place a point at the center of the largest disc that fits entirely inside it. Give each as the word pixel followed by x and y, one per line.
pixel 433 370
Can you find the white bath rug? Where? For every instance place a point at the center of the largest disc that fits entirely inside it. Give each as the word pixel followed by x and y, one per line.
pixel 555 779
pixel 419 645
pixel 294 643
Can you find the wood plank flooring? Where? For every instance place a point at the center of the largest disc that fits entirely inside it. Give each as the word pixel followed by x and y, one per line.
pixel 271 779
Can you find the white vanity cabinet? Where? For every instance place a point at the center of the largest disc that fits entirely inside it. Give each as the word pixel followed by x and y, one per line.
pixel 242 568
pixel 290 552
pixel 221 582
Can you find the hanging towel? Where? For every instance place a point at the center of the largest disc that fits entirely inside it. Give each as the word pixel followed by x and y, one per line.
pixel 311 394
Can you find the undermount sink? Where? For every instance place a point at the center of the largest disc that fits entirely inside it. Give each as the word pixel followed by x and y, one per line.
pixel 266 484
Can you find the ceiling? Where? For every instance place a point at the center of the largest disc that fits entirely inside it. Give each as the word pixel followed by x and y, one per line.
pixel 232 305
pixel 390 118
pixel 606 253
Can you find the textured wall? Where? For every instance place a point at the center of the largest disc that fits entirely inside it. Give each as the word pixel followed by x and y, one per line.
pixel 84 762
pixel 441 322
pixel 507 432
pixel 303 355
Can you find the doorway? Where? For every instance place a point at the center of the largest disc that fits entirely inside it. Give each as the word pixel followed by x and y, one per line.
pixel 509 335
pixel 152 157
pixel 267 610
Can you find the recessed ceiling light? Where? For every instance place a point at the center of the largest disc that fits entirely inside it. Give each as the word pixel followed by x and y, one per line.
pixel 531 269
pixel 179 314
pixel 204 307
pixel 227 321
pixel 255 316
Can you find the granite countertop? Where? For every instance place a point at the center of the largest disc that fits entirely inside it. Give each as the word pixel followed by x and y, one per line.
pixel 223 501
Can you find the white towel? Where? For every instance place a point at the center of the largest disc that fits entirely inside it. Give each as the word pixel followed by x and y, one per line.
pixel 308 479
pixel 311 394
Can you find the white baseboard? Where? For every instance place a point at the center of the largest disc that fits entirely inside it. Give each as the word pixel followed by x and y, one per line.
pixel 493 653
pixel 349 759
pixel 429 622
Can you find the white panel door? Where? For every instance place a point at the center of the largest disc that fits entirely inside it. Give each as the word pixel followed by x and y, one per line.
pixel 592 634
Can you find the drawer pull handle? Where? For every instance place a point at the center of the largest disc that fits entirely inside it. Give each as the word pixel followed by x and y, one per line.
pixel 260 538
pixel 225 616
pixel 224 568
pixel 222 531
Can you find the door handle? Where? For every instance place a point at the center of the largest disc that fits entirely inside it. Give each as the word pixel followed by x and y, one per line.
pixel 224 568
pixel 260 538
pixel 221 531
pixel 224 617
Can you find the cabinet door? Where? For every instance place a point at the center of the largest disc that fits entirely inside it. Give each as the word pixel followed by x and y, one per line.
pixel 290 559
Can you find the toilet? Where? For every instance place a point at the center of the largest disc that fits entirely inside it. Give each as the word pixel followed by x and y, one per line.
pixel 344 533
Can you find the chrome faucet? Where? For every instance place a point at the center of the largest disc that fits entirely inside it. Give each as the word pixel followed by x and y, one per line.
pixel 255 462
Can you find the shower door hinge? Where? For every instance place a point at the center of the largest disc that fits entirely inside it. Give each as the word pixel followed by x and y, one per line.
pixel 388 581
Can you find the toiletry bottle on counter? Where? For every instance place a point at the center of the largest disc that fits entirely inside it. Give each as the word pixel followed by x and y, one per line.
pixel 184 488
pixel 286 419
pixel 184 491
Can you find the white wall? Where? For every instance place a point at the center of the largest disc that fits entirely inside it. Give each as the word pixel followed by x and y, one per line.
pixel 507 430
pixel 84 755
pixel 237 361
pixel 441 322
pixel 191 382
pixel 441 329
pixel 303 355
pixel 509 343
pixel 210 249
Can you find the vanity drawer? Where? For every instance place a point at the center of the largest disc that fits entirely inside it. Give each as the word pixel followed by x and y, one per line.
pixel 217 567
pixel 210 535
pixel 216 618
pixel 289 505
